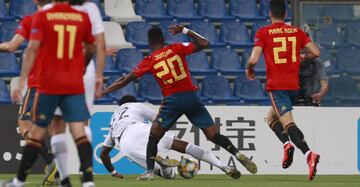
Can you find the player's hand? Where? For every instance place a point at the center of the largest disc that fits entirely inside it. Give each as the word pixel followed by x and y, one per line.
pixel 174 29
pixel 98 87
pixel 16 95
pixel 250 74
pixel 302 57
pixel 118 175
pixel 111 51
pixel 316 98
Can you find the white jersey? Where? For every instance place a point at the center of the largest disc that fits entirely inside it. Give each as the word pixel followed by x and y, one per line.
pixel 97 27
pixel 128 114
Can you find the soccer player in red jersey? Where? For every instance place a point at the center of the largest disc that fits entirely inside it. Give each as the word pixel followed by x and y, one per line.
pixel 281 45
pixel 168 65
pixel 22 34
pixel 57 39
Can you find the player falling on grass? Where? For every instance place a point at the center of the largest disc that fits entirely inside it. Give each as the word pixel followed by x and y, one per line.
pixel 168 66
pixel 281 46
pixel 129 133
pixel 57 41
pixel 90 78
pixel 22 34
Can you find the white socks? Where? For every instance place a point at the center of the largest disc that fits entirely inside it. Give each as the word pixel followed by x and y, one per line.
pixel 200 154
pixel 88 133
pixel 60 152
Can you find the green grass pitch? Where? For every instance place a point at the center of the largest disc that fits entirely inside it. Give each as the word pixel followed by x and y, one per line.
pixel 216 180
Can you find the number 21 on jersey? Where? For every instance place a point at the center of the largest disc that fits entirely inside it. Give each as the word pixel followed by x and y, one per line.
pixel 283 48
pixel 170 65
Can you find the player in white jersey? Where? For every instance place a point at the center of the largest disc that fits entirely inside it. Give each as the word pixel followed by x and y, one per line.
pixel 92 83
pixel 129 133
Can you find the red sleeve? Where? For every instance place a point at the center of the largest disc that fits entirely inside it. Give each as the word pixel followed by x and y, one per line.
pixel 37 27
pixel 185 48
pixel 89 38
pixel 143 67
pixel 24 27
pixel 259 40
pixel 304 38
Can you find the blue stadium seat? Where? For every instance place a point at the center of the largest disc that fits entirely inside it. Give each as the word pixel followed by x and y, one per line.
pixel 214 10
pixel 217 89
pixel 250 91
pixel 344 88
pixel 127 59
pixel 331 35
pixel 265 8
pixel 312 13
pixel 183 10
pixel 260 67
pixel 339 12
pixel 170 38
pixel 102 10
pixel 149 89
pixel 196 83
pixel 151 10
pixel 226 61
pixel 352 33
pixel 4 13
pixel 207 29
pixel 129 89
pixel 110 67
pixel 7 30
pixel 4 93
pixel 235 34
pixel 348 60
pixel 8 65
pixel 21 8
pixel 256 26
pixel 245 10
pixel 198 64
pixel 136 33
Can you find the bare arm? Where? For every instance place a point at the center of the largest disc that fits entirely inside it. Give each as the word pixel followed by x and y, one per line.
pixel 252 61
pixel 100 62
pixel 199 41
pixel 105 158
pixel 13 44
pixel 120 83
pixel 312 52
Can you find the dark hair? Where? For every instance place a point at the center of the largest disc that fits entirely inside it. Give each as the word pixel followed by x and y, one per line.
pixel 126 99
pixel 278 9
pixel 76 2
pixel 43 2
pixel 155 35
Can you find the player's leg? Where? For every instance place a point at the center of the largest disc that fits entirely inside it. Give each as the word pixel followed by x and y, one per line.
pixel 200 117
pixel 59 147
pixel 285 99
pixel 42 110
pixel 275 124
pixel 75 112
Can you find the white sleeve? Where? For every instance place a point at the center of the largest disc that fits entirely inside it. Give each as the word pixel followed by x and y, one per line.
pixel 148 113
pixel 95 18
pixel 108 142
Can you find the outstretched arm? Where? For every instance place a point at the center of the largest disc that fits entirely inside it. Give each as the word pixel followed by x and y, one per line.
pixel 199 41
pixel 252 61
pixel 312 52
pixel 120 83
pixel 13 44
pixel 105 158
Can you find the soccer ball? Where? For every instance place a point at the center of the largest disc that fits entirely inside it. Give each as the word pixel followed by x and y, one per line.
pixel 188 168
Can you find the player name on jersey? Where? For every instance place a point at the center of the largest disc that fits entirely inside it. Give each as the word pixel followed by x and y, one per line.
pixel 283 30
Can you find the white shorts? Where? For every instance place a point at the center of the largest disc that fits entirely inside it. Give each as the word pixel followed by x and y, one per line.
pixel 134 140
pixel 89 85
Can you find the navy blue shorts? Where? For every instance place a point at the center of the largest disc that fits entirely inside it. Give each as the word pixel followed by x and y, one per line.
pixel 26 104
pixel 187 103
pixel 282 101
pixel 73 108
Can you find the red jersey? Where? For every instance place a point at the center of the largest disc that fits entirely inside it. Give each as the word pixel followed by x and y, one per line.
pixel 24 29
pixel 169 67
pixel 62 31
pixel 281 44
